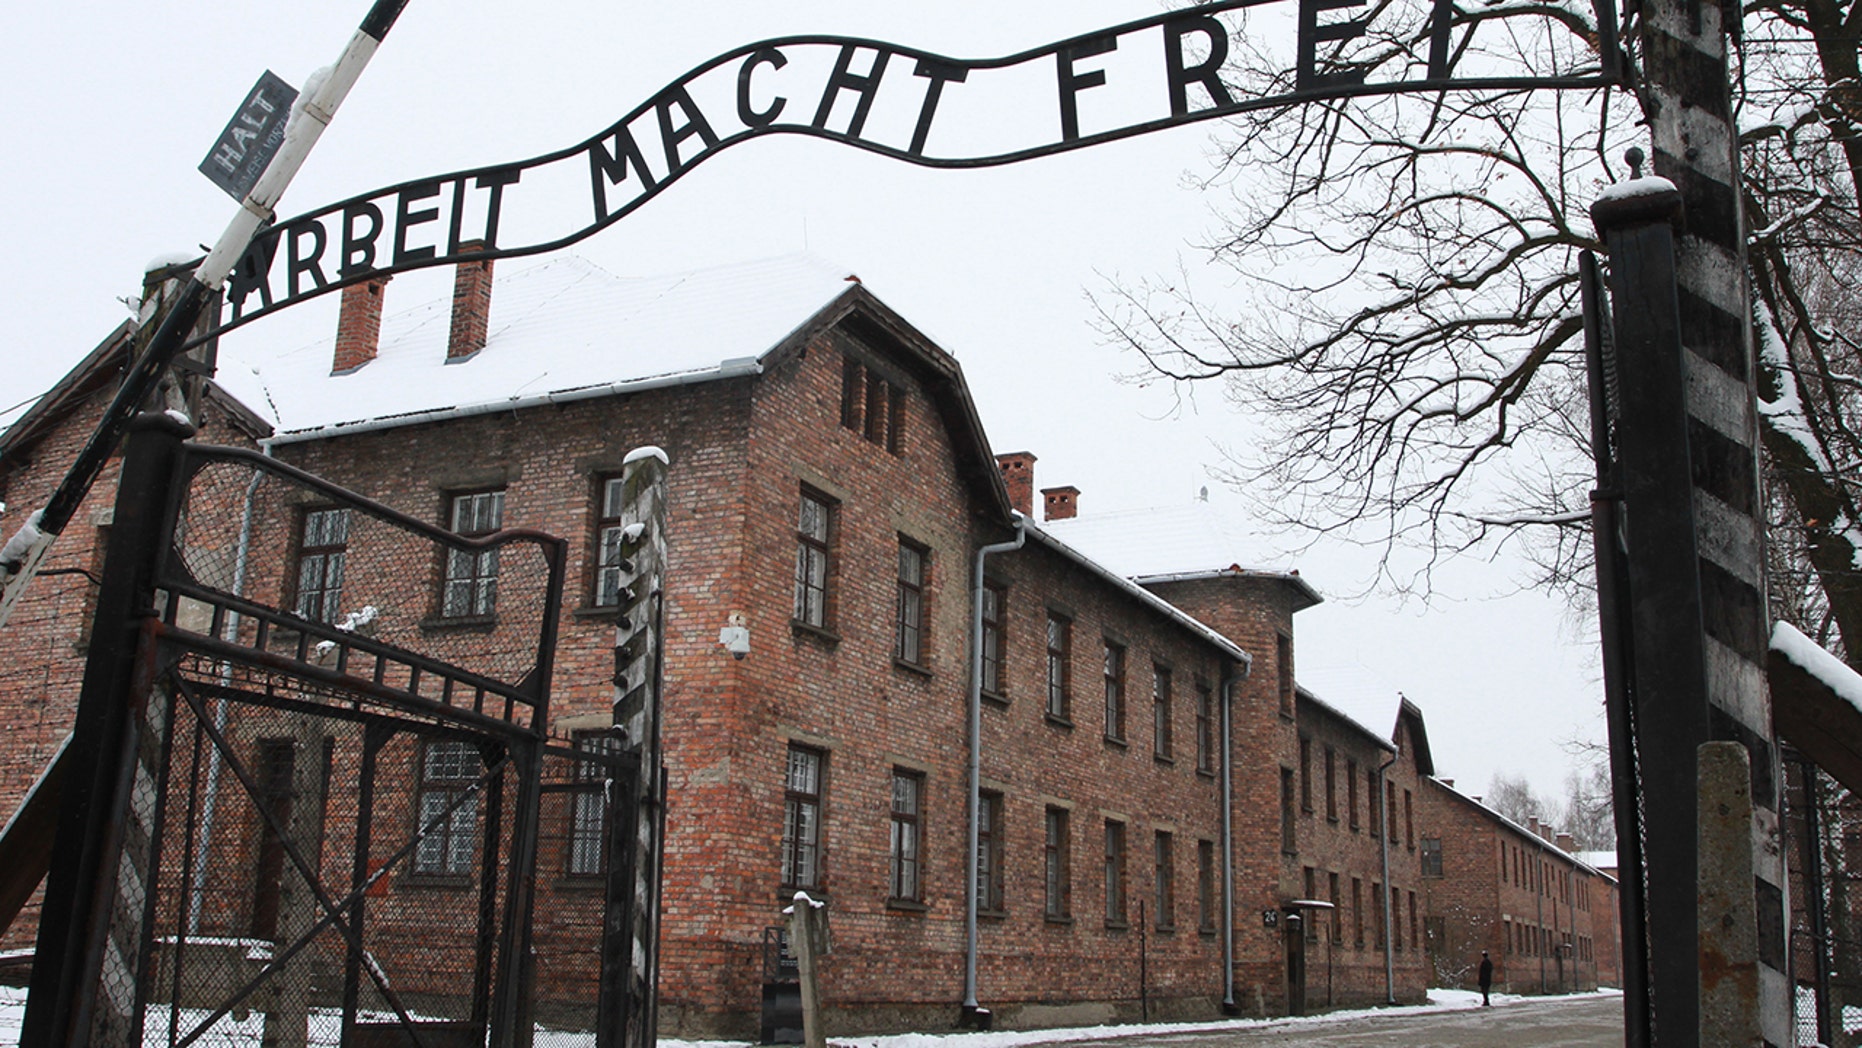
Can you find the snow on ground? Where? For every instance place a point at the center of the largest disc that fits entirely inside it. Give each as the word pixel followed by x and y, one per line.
pixel 13 1009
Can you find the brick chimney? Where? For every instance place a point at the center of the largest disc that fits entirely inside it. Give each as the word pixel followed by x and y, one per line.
pixel 1060 503
pixel 358 326
pixel 1567 843
pixel 471 306
pixel 1018 473
pixel 1532 824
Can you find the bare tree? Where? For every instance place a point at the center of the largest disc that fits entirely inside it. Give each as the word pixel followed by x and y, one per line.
pixel 1405 320
pixel 1514 797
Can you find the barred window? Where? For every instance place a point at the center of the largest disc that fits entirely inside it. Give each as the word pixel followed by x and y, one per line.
pixel 1115 873
pixel 1164 881
pixel 447 807
pixel 989 841
pixel 801 821
pixel 909 644
pixel 1205 728
pixel 994 597
pixel 1161 744
pixel 1059 650
pixel 1115 691
pixel 588 807
pixel 1206 886
pixel 472 577
pixel 907 835
pixel 813 530
pixel 323 547
pixel 610 566
pixel 1056 870
pixel 1431 856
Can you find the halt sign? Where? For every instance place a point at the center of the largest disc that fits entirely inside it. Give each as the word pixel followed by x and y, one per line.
pixel 251 138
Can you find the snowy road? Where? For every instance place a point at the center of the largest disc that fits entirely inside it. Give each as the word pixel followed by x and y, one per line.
pixel 1572 1022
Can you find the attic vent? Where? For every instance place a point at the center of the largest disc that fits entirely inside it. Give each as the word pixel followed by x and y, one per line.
pixel 872 406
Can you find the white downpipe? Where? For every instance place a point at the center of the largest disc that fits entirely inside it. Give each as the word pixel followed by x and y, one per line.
pixel 976 756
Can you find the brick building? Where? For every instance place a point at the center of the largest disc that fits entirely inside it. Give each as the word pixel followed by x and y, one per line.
pixel 1547 918
pixel 1143 811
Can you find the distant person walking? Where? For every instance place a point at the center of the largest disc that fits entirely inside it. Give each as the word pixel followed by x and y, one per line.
pixel 1486 977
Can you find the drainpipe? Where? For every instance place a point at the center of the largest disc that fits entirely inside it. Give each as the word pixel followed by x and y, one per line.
pixel 1384 854
pixel 1228 840
pixel 970 1008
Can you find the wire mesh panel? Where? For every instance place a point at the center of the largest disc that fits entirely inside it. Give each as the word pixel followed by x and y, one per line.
pixel 332 814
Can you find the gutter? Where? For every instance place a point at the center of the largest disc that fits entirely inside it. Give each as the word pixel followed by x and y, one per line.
pixel 971 1011
pixel 1383 852
pixel 1229 681
pixel 735 368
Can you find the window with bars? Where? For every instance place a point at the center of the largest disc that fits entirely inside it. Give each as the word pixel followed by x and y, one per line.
pixel 1059 652
pixel 1289 841
pixel 472 577
pixel 1056 869
pixel 989 842
pixel 323 547
pixel 1331 784
pixel 814 530
pixel 588 839
pixel 801 818
pixel 1114 664
pixel 907 836
pixel 1351 794
pixel 610 567
pixel 1115 874
pixel 1431 857
pixel 447 807
pixel 1338 921
pixel 1305 773
pixel 995 597
pixel 914 561
pixel 1162 746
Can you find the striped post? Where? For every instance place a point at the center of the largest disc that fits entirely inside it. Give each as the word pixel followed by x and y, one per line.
pixel 634 923
pixel 1713 684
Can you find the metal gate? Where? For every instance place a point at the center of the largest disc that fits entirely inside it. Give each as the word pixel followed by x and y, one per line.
pixel 316 779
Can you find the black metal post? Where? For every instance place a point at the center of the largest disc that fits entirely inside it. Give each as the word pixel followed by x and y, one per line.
pixel 1666 642
pixel 74 918
pixel 1619 710
pixel 1813 886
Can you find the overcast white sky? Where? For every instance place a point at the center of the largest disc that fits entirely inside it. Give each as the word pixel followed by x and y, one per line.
pixel 111 105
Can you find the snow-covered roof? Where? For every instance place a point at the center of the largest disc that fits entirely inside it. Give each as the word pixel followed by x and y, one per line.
pixel 1809 656
pixel 1041 534
pixel 559 329
pixel 1600 860
pixel 1190 539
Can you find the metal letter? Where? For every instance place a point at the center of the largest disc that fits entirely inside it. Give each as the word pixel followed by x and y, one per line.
pixel 1311 33
pixel 1207 72
pixel 865 86
pixel 1072 83
pixel 609 167
pixel 695 124
pixel 940 73
pixel 359 250
pixel 773 58
pixel 405 219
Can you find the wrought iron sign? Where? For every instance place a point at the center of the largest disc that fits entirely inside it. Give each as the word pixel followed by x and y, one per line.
pixel 900 102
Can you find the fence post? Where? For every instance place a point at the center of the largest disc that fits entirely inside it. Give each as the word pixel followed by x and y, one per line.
pixel 1729 930
pixel 808 923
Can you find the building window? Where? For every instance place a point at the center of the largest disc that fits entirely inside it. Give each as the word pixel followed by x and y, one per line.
pixel 322 549
pixel 1205 886
pixel 1289 843
pixel 609 564
pixel 1435 930
pixel 1431 856
pixel 852 393
pixel 472 577
pixel 1164 881
pixel 914 562
pixel 1115 874
pixel 1409 820
pixel 1059 648
pixel 1283 661
pixel 1390 806
pixel 907 835
pixel 813 533
pixel 1372 801
pixel 1309 879
pixel 989 839
pixel 1377 922
pixel 1331 784
pixel 994 597
pixel 801 819
pixel 1205 728
pixel 1351 794
pixel 1396 919
pixel 448 808
pixel 1305 773
pixel 1115 691
pixel 587 806
pixel 1357 913
pixel 1413 943
pixel 1338 924
pixel 1161 746
pixel 1055 869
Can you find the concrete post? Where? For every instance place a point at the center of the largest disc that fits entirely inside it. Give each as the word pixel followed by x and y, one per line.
pixel 1729 933
pixel 808 922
